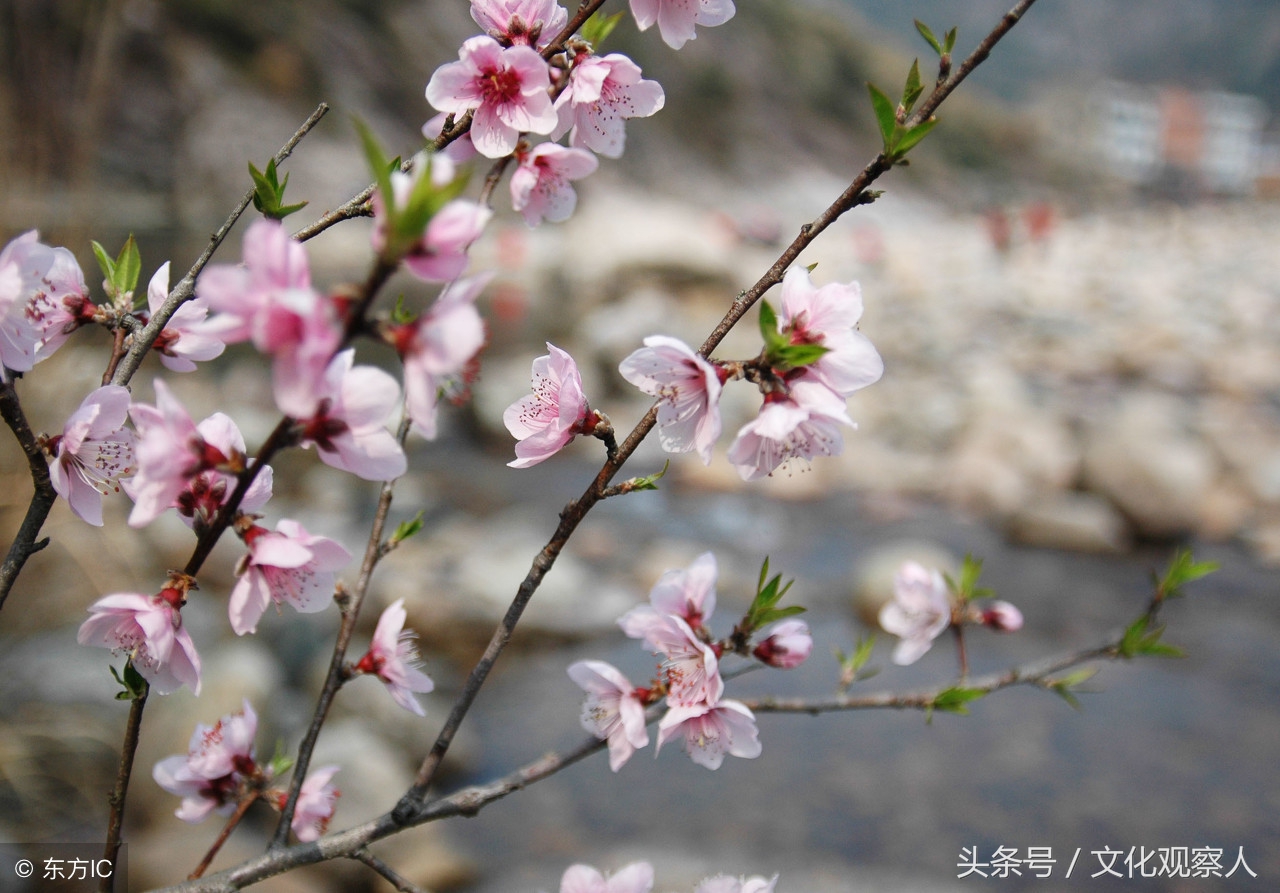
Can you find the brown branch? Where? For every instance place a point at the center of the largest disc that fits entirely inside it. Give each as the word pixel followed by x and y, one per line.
pixel 115 802
pixel 25 544
pixel 232 821
pixel 185 289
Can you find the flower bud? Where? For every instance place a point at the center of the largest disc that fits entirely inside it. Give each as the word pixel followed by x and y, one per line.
pixel 787 646
pixel 1002 617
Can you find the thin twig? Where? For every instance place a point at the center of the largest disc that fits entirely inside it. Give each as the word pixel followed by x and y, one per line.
pixel 393 877
pixel 185 289
pixel 115 820
pixel 337 665
pixel 232 821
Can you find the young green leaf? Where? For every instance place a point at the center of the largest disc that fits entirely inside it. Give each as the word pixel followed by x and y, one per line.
pixel 949 41
pixel 128 267
pixel 911 92
pixel 105 263
pixel 953 700
pixel 912 136
pixel 793 356
pixel 774 340
pixel 1182 570
pixel 885 116
pixel 406 529
pixel 131 681
pixel 649 481
pixel 928 36
pixel 595 29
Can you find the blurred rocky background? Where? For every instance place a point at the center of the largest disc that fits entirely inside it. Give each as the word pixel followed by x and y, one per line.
pixel 1075 287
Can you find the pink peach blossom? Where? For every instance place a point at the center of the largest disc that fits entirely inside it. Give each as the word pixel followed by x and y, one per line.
pixel 439 348
pixel 799 425
pixel 169 452
pixel 1002 617
pixel 688 388
pixel 690 665
pixel 149 628
pixel 348 429
pixel 289 566
pixel 828 316
pixel 712 730
pixel 634 878
pixel 208 490
pixel 393 658
pixel 676 18
pixel 208 776
pixel 540 187
pixel 545 421
pixel 723 883
pixel 520 22
pixel 613 710
pixel 506 88
pixel 93 452
pixel 42 299
pixel 786 645
pixel 603 92
pixel 919 612
pixel 183 340
pixel 316 800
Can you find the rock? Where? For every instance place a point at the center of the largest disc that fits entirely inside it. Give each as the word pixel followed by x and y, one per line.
pixel 1080 522
pixel 1143 461
pixel 1004 459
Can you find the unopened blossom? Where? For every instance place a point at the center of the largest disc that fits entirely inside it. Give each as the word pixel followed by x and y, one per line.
pixel 710 731
pixel 207 491
pixel 634 878
pixel 676 18
pixel 93 452
pixel 613 709
pixel 393 658
pixel 149 629
pixel 520 22
pixel 23 265
pixel 440 348
pixel 786 644
pixel 169 451
pixel 688 388
pixel 800 424
pixel 183 341
pixel 546 420
pixel 349 427
pixel 217 760
pixel 828 316
pixel 505 88
pixel 269 300
pixel 603 92
pixel 919 612
pixel 540 185
pixel 316 801
pixel 288 566
pixel 723 883
pixel 1002 617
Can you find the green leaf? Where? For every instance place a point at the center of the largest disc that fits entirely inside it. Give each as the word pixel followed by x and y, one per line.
pixel 885 116
pixel 105 263
pixel 928 36
pixel 1141 639
pixel 595 29
pixel 953 700
pixel 911 92
pixel 763 608
pixel 793 356
pixel 280 761
pixel 912 136
pixel 406 529
pixel 1183 569
pixel 131 681
pixel 128 268
pixel 380 167
pixel 949 41
pixel 650 481
pixel 1066 686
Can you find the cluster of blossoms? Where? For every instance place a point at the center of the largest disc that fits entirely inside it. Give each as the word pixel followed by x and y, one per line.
pixel 814 360
pixel 923 608
pixel 219 771
pixel 522 78
pixel 673 625
pixel 638 878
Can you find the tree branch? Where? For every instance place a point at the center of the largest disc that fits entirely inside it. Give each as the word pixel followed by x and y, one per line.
pixel 25 544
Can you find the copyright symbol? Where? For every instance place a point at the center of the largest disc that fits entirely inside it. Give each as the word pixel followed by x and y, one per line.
pixel 23 868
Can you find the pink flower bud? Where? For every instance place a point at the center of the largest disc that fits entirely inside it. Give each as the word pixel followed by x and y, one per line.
pixel 787 646
pixel 1002 617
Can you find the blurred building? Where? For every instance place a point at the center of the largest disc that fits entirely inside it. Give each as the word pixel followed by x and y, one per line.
pixel 1175 140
